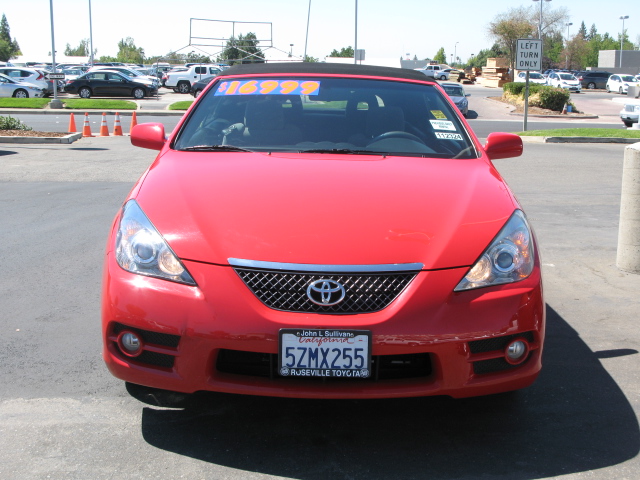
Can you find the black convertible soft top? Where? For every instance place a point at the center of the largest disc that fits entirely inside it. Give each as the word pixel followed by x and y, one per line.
pixel 323 68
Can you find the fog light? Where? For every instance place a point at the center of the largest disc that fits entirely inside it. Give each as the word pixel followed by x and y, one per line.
pixel 516 351
pixel 130 343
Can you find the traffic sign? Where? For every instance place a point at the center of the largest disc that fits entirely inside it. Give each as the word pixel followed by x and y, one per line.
pixel 529 54
pixel 55 76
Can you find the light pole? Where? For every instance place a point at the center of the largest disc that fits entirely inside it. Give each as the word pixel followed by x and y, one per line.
pixel 455 52
pixel 540 29
pixel 623 18
pixel 90 37
pixel 568 25
pixel 55 103
pixel 355 48
pixel 290 50
pixel 306 39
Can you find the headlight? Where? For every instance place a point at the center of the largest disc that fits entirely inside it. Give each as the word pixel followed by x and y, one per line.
pixel 509 258
pixel 141 249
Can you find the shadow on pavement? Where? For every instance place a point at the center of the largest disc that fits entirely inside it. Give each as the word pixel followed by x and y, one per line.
pixel 573 419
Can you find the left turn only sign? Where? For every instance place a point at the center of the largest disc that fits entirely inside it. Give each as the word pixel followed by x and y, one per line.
pixel 529 54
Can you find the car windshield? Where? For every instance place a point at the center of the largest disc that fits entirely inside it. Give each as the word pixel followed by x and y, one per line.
pixel 567 76
pixel 325 115
pixel 628 78
pixel 453 90
pixel 537 76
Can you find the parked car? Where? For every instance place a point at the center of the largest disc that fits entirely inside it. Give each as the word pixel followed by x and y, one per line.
pixel 534 77
pixel 131 73
pixel 302 214
pixel 109 83
pixel 11 88
pixel 457 94
pixel 198 87
pixel 564 80
pixel 72 73
pixel 592 80
pixel 29 75
pixel 629 114
pixel 181 81
pixel 621 83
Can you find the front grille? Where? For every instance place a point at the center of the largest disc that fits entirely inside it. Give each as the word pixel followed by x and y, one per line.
pixel 492 366
pixel 287 291
pixel 383 367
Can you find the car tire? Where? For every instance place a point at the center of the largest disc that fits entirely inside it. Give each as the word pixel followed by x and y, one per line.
pixel 84 92
pixel 138 93
pixel 608 89
pixel 184 87
pixel 443 77
pixel 620 91
pixel 20 93
pixel 591 86
pixel 627 124
pixel 197 93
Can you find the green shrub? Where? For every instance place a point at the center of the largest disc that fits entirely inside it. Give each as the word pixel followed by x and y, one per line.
pixel 10 123
pixel 542 96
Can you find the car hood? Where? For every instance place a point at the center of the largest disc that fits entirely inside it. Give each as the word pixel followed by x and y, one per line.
pixel 325 209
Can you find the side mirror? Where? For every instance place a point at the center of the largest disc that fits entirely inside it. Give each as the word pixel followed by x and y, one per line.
pixel 503 145
pixel 148 135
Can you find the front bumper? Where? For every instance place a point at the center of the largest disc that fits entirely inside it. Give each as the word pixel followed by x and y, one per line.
pixel 220 337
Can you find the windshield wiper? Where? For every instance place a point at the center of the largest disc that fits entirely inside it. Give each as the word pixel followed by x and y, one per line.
pixel 346 151
pixel 214 148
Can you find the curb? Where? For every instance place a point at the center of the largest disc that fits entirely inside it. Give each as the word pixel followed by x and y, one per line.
pixel 27 111
pixel 531 139
pixel 72 137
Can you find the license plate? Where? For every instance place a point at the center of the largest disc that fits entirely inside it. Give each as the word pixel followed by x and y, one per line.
pixel 325 353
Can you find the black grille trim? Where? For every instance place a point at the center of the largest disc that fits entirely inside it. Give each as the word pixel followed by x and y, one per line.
pixel 493 365
pixel 384 367
pixel 497 343
pixel 287 291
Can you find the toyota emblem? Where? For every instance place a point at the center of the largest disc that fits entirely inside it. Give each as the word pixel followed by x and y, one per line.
pixel 326 292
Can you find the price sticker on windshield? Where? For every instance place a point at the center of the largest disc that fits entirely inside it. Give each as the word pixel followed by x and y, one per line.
pixel 268 87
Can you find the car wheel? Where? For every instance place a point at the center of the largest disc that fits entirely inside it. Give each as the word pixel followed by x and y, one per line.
pixel 627 124
pixel 591 86
pixel 138 93
pixel 443 77
pixel 197 93
pixel 184 87
pixel 608 89
pixel 20 93
pixel 620 90
pixel 84 92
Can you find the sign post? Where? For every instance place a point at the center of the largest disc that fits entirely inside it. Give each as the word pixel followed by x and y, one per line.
pixel 528 57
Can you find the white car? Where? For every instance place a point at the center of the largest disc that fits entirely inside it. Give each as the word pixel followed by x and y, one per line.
pixel 564 80
pixel 181 82
pixel 534 77
pixel 28 75
pixel 621 83
pixel 11 88
pixel 630 113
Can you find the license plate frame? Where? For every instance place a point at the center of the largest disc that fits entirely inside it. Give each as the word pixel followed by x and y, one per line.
pixel 324 353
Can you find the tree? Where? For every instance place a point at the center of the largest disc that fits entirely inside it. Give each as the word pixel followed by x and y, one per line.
pixel 309 59
pixel 128 52
pixel 508 27
pixel 480 60
pixel 81 50
pixel 575 53
pixel 440 57
pixel 243 49
pixel 9 47
pixel 344 52
pixel 583 31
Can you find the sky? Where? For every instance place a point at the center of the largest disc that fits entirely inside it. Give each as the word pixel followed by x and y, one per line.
pixel 385 28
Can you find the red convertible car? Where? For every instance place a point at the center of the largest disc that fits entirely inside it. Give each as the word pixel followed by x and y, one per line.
pixel 323 231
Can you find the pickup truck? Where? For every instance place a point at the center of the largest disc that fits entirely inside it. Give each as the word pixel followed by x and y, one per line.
pixel 182 81
pixel 436 71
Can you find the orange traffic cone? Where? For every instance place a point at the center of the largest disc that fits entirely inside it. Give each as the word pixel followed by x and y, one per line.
pixel 86 129
pixel 72 124
pixel 117 128
pixel 104 130
pixel 134 121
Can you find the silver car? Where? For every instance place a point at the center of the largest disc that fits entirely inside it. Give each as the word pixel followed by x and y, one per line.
pixel 456 93
pixel 629 114
pixel 11 88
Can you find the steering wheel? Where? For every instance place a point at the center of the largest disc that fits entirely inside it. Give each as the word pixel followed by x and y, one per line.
pixel 396 134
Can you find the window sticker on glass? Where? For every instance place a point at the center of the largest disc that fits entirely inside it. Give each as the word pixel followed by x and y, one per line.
pixel 443 125
pixel 268 87
pixel 438 114
pixel 448 136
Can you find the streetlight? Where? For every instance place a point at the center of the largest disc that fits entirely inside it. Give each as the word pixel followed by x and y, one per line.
pixel 90 37
pixel 306 39
pixel 623 18
pixel 567 56
pixel 355 43
pixel 55 103
pixel 540 28
pixel 455 51
pixel 290 50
